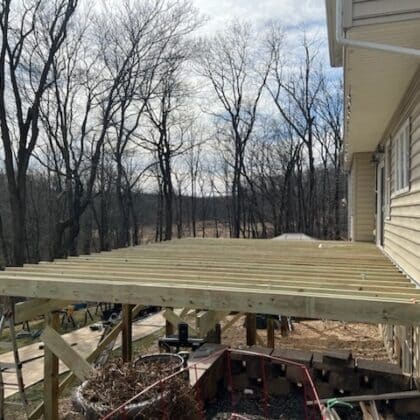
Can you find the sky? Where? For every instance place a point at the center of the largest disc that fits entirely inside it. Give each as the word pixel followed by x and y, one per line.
pixel 292 14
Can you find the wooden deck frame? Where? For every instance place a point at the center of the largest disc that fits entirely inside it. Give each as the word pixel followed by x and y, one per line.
pixel 330 280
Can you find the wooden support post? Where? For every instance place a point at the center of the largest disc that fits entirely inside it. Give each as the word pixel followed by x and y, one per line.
pixel 284 326
pixel 169 327
pixel 127 333
pixel 218 333
pixel 251 329
pixel 215 335
pixel 270 332
pixel 51 374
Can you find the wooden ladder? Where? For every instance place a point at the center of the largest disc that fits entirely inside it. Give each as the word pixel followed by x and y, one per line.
pixel 7 317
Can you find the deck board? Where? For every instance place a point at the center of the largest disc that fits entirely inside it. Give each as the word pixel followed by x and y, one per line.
pixel 330 279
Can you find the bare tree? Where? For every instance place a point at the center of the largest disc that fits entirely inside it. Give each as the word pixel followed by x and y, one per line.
pixel 238 76
pixel 330 109
pixel 30 41
pixel 295 96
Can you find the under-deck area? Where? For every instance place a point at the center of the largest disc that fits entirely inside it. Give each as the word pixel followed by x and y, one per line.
pixel 314 279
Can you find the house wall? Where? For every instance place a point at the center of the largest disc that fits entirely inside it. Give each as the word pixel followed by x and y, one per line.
pixel 362 198
pixel 402 224
pixel 365 12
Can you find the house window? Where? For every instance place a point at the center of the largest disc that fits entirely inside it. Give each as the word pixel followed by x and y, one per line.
pixel 402 153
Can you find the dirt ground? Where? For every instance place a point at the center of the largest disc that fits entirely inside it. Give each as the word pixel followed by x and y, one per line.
pixel 363 340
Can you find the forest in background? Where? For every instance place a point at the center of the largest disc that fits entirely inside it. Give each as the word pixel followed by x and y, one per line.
pixel 122 124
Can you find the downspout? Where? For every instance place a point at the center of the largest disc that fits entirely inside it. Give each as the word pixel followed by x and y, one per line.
pixel 341 39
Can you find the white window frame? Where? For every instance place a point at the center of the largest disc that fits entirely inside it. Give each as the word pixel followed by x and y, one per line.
pixel 402 143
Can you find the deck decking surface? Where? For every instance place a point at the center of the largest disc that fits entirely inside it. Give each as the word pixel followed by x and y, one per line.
pixel 331 280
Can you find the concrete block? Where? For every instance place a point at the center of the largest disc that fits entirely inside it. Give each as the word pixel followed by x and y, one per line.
pixel 378 367
pixel 261 350
pixel 346 380
pixel 295 374
pixel 340 357
pixel 324 390
pixel 299 356
pixel 237 366
pixel 240 382
pixel 255 365
pixel 279 386
pixel 254 362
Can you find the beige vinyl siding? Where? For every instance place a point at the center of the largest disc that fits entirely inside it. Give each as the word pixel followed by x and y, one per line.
pixel 363 197
pixel 402 229
pixel 379 11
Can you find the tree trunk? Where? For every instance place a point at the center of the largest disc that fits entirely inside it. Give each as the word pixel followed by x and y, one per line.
pixel 18 207
pixel 3 243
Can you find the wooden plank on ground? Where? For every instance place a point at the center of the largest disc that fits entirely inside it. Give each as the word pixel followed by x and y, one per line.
pixel 60 348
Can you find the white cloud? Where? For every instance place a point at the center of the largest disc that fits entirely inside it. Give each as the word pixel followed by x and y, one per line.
pixel 289 12
pixel 293 15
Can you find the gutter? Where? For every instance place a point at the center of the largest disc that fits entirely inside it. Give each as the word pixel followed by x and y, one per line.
pixel 342 40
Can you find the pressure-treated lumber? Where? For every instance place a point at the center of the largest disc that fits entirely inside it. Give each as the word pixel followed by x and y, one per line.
pixel 270 333
pixel 251 329
pixel 231 322
pixel 175 319
pixel 57 345
pixel 51 372
pixel 207 320
pixel 331 280
pixel 69 379
pixel 30 309
pixel 127 333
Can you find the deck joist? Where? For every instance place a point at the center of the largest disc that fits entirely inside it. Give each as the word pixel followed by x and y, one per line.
pixel 331 280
